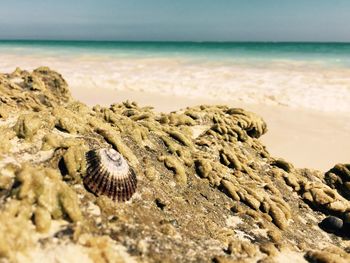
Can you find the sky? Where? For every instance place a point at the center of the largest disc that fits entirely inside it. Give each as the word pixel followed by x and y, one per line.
pixel 176 20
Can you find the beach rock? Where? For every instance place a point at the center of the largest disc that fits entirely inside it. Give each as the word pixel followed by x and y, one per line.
pixel 324 198
pixel 328 254
pixel 280 163
pixel 27 125
pixel 207 188
pixel 332 224
pixel 339 178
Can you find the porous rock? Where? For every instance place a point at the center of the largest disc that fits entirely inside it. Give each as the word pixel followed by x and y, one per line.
pixel 219 194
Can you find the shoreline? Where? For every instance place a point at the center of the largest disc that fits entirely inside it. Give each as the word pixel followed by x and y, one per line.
pixel 306 138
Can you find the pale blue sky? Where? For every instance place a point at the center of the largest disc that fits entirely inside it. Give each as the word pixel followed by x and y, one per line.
pixel 179 20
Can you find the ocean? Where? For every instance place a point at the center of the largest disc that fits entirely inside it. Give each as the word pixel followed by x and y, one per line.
pixel 299 75
pixel 336 53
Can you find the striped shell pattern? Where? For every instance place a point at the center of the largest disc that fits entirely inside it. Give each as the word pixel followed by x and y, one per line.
pixel 108 173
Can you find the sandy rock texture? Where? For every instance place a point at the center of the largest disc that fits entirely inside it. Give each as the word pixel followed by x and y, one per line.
pixel 208 190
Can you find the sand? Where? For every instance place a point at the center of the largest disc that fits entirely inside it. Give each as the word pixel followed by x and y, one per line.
pixel 299 84
pixel 307 138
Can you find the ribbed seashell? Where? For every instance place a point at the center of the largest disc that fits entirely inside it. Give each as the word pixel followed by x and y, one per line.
pixel 108 173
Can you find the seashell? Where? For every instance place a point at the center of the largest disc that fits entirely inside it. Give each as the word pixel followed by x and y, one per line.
pixel 108 173
pixel 331 224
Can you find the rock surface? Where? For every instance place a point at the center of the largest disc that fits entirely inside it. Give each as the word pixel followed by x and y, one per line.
pixel 208 190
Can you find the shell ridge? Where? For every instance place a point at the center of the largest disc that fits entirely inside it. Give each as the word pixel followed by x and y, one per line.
pixel 113 193
pixel 108 187
pixel 129 189
pixel 96 178
pixel 104 182
pixel 92 170
pixel 91 178
pixel 120 189
pixel 91 157
pixel 103 176
pixel 125 189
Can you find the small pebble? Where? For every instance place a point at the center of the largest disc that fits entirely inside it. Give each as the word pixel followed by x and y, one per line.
pixel 331 224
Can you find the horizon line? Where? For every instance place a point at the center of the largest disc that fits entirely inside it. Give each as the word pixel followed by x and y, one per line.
pixel 176 41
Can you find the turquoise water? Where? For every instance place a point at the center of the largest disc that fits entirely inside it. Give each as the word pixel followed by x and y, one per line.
pixel 335 53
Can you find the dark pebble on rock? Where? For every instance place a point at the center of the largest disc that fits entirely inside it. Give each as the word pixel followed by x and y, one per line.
pixel 331 224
